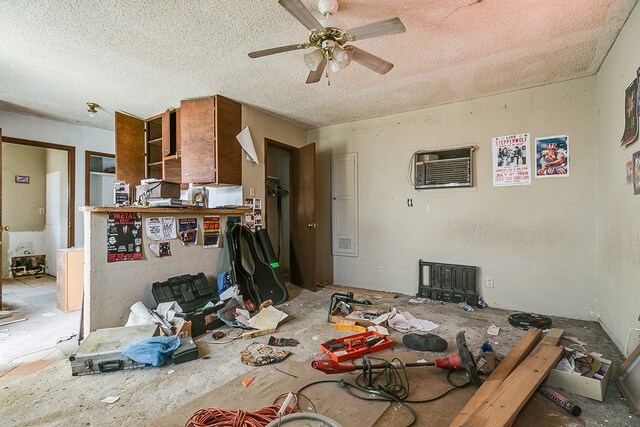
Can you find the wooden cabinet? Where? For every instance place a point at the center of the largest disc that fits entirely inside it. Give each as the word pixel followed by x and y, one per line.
pixel 210 152
pixel 70 278
pixel 148 148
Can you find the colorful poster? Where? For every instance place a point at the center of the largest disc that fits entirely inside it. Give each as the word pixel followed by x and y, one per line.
pixel 161 228
pixel 630 133
pixel 552 156
pixel 511 163
pixel 188 230
pixel 160 249
pixel 211 232
pixel 124 236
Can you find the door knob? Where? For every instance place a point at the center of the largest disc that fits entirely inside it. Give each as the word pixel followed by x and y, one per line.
pixel 5 228
pixel 312 225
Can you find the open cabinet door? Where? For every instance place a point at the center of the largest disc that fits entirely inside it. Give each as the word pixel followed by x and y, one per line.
pixel 130 164
pixel 303 218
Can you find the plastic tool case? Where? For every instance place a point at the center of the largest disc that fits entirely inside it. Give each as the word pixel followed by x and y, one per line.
pixel 192 293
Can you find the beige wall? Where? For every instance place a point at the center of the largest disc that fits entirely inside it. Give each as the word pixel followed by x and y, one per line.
pixel 618 273
pixel 537 242
pixel 263 125
pixel 23 201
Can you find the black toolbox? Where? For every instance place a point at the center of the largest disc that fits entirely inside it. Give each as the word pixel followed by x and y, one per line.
pixel 192 293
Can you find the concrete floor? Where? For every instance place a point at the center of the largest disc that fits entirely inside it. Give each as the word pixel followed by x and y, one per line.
pixel 52 397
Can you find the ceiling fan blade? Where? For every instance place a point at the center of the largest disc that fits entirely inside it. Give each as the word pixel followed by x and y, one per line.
pixel 315 76
pixel 301 13
pixel 273 50
pixel 372 62
pixel 385 27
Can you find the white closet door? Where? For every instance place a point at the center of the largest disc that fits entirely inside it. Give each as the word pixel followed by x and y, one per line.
pixel 344 204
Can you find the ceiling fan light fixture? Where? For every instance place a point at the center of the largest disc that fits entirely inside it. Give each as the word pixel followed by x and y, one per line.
pixel 313 59
pixel 342 57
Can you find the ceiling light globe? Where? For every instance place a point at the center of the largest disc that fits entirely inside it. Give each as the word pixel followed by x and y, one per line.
pixel 313 59
pixel 342 57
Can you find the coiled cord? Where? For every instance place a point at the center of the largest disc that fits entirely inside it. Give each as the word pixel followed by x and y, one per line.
pixel 214 417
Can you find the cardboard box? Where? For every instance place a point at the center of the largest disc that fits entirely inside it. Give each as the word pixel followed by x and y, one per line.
pixel 336 317
pixel 592 388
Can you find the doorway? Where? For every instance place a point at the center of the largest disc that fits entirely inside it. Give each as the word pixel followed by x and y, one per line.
pixel 290 181
pixel 37 201
pixel 278 211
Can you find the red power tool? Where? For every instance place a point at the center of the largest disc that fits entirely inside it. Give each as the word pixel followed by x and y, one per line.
pixel 462 360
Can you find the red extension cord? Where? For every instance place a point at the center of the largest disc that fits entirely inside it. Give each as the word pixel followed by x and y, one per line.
pixel 214 417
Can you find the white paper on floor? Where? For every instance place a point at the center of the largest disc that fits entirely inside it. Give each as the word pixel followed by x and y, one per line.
pixel 404 322
pixel 110 399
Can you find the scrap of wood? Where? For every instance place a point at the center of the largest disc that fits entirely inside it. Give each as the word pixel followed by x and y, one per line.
pixel 13 321
pixel 502 371
pixel 248 381
pixel 257 333
pixel 380 294
pixel 552 337
pixel 501 409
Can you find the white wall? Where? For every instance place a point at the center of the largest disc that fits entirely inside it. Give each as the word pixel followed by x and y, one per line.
pixel 538 242
pixel 57 206
pixel 81 137
pixel 618 270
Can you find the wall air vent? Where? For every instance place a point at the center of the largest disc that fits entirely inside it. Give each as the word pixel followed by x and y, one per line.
pixel 444 168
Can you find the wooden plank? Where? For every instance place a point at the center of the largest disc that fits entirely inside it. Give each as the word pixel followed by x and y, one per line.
pixel 360 291
pixel 552 337
pixel 502 371
pixel 500 409
pixel 257 333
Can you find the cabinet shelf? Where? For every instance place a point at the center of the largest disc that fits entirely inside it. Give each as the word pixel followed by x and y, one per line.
pixel 155 164
pixel 102 173
pixel 157 141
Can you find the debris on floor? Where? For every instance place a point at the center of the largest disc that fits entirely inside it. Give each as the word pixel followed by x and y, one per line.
pixel 257 354
pixel 403 321
pixel 110 399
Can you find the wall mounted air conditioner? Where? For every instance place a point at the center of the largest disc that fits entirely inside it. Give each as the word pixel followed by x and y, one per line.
pixel 444 168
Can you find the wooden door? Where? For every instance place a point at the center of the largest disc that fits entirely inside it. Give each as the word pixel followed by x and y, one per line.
pixel 130 152
pixel 303 218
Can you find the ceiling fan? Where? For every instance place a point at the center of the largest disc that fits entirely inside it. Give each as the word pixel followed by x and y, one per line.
pixel 329 37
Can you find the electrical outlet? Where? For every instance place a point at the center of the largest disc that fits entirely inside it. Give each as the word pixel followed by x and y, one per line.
pixel 41 211
pixel 252 192
pixel 380 270
pixel 489 282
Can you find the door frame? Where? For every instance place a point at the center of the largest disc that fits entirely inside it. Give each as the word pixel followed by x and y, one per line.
pixel 71 177
pixel 87 170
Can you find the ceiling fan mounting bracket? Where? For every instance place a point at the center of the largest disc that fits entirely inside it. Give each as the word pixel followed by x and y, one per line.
pixel 318 36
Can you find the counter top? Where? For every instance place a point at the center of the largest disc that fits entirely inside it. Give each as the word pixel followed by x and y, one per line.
pixel 183 210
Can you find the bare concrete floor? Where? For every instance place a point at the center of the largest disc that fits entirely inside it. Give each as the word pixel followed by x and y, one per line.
pixel 52 397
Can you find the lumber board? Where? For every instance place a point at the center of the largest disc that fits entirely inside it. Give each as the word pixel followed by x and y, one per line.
pixel 552 337
pixel 503 406
pixel 257 333
pixel 380 294
pixel 517 354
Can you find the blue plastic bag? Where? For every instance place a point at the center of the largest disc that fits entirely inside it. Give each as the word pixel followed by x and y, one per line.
pixel 153 351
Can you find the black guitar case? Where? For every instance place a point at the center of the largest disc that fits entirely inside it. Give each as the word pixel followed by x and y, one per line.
pixel 269 254
pixel 269 285
pixel 239 275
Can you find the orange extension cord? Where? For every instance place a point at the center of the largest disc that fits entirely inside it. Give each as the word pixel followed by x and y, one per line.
pixel 214 417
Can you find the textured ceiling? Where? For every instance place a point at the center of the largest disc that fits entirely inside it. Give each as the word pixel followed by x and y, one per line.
pixel 144 56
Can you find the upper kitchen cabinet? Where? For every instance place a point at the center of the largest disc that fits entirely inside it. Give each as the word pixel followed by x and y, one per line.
pixel 148 148
pixel 210 152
